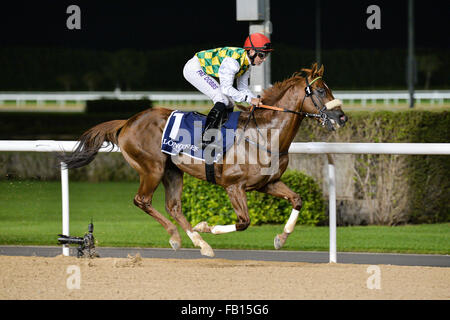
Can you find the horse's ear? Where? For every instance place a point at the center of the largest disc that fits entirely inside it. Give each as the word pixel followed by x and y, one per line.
pixel 320 71
pixel 313 69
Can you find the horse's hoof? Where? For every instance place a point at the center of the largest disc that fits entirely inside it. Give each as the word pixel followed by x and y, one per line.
pixel 278 242
pixel 175 244
pixel 207 251
pixel 202 227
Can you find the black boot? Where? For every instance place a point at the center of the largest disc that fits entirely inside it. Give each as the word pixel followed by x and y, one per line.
pixel 214 119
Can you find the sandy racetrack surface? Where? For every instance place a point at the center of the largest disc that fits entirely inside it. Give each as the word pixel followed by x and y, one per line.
pixel 142 278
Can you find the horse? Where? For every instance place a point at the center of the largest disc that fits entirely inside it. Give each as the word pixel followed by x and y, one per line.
pixel 284 106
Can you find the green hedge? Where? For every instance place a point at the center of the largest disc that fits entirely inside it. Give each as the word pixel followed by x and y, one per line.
pixel 130 107
pixel 49 125
pixel 427 185
pixel 53 126
pixel 203 201
pixel 426 177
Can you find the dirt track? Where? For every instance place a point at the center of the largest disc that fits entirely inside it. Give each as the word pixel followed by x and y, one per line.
pixel 138 278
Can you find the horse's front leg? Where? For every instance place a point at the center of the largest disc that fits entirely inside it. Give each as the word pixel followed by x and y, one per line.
pixel 280 190
pixel 238 200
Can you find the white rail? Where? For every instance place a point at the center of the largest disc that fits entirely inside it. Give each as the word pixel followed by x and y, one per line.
pixel 307 147
pixel 52 146
pixel 370 148
pixel 364 97
pixel 359 148
pixel 394 96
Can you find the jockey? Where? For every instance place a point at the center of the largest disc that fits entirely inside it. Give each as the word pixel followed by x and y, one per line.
pixel 213 72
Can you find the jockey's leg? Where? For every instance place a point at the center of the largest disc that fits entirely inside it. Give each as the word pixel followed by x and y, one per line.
pixel 203 82
pixel 209 86
pixel 215 116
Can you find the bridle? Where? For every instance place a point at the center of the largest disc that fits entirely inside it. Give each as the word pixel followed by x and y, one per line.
pixel 309 93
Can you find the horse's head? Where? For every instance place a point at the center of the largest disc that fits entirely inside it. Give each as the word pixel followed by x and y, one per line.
pixel 318 100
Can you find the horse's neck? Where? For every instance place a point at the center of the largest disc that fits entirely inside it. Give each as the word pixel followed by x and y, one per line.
pixel 286 123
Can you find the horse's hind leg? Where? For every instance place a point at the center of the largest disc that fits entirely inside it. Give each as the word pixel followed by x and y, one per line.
pixel 143 200
pixel 173 183
pixel 238 200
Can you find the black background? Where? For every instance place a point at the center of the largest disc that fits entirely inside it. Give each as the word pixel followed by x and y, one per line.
pixel 161 24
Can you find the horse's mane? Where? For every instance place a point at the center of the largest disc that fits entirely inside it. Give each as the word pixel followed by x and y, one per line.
pixel 271 95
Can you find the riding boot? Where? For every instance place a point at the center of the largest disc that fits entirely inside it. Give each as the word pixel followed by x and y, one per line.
pixel 214 119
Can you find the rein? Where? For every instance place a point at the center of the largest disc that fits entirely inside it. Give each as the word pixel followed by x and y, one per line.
pixel 308 93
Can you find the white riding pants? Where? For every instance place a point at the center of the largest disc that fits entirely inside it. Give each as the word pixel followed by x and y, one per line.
pixel 205 83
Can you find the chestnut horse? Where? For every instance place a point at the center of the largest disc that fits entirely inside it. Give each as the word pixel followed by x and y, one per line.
pixel 303 95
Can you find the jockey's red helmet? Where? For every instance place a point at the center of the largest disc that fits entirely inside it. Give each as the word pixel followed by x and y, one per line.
pixel 258 42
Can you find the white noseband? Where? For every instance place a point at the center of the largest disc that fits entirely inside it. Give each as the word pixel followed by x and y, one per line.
pixel 333 104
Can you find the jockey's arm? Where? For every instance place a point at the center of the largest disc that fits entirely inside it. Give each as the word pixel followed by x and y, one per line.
pixel 242 84
pixel 227 72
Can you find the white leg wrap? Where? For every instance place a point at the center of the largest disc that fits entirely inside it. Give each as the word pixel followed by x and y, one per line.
pixel 195 238
pixel 290 225
pixel 223 229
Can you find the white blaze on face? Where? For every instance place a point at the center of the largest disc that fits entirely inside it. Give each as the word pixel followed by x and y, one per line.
pixel 333 104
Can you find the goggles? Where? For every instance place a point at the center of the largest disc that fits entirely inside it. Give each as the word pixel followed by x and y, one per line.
pixel 263 54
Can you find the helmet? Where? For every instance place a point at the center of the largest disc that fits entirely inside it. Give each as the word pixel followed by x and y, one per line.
pixel 258 42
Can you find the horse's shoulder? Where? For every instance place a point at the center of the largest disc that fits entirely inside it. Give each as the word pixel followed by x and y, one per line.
pixel 165 112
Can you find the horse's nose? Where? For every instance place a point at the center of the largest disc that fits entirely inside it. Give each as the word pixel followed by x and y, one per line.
pixel 343 119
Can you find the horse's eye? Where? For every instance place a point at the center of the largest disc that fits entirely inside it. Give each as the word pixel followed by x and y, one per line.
pixel 321 91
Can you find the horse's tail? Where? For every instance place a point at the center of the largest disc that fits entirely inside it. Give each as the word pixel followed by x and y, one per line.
pixel 91 141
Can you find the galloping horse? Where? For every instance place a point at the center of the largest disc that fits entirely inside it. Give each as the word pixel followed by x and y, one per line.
pixel 286 104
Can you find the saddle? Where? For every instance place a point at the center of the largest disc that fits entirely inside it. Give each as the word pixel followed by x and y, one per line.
pixel 183 134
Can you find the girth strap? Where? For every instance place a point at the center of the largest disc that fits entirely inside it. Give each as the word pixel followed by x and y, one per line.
pixel 210 174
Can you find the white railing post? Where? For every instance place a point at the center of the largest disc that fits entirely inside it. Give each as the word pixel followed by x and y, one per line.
pixel 332 207
pixel 65 205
